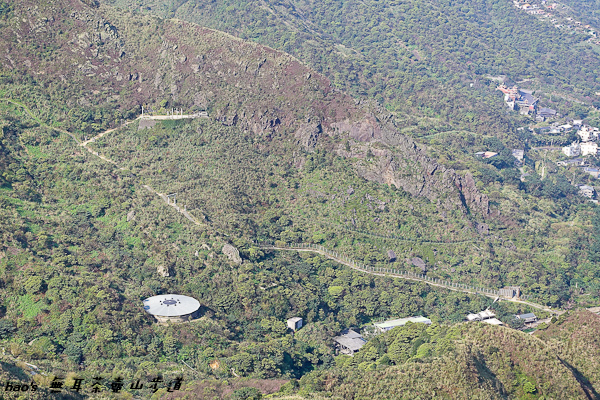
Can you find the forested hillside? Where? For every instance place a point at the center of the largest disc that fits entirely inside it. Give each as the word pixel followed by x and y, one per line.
pixel 284 156
pixel 426 60
pixel 419 361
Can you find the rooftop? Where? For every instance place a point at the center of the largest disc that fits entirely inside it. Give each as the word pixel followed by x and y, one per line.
pixel 401 322
pixel 171 305
pixel 526 316
pixel 492 321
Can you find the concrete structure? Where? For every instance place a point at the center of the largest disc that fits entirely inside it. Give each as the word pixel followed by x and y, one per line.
pixel 486 314
pixel 171 307
pixel 294 323
pixel 587 134
pixel 391 324
pixel 349 342
pixel 510 291
pixel 572 150
pixel 576 162
pixel 595 172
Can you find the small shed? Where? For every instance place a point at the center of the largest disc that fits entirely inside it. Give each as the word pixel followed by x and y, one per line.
pixel 294 323
pixel 349 342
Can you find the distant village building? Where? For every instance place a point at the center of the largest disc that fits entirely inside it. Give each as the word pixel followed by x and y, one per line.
pixel 391 324
pixel 349 342
pixel 294 323
pixel 576 162
pixel 486 154
pixel 572 150
pixel 589 148
pixel 588 133
pixel 595 172
pixel 545 113
pixel 587 191
pixel 171 307
pixel 518 154
pixel 519 99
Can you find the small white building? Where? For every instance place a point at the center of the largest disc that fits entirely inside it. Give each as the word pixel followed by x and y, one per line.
pixel 294 323
pixel 572 150
pixel 587 191
pixel 589 148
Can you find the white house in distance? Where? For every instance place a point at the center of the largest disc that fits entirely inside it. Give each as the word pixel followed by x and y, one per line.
pixel 588 133
pixel 589 148
pixel 572 150
pixel 587 191
pixel 486 314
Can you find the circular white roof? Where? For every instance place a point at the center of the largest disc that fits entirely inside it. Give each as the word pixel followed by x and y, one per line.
pixel 171 305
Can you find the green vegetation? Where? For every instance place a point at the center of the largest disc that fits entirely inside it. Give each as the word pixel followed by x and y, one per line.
pixel 283 157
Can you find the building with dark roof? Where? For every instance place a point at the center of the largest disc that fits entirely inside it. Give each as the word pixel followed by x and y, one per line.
pixel 349 342
pixel 527 318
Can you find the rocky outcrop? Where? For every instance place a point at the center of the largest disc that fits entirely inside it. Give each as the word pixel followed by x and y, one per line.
pixel 308 134
pixel 163 270
pixel 401 162
pixel 232 253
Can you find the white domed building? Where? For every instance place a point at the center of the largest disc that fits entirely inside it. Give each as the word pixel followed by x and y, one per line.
pixel 171 307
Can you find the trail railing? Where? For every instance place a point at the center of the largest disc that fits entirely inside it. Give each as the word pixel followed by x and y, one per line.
pixel 392 272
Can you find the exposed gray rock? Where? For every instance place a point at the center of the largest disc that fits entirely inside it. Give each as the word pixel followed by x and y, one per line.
pixel 418 262
pixel 232 253
pixel 308 134
pixel 391 255
pixel 482 229
pixel 403 163
pixel 163 271
pixel 130 215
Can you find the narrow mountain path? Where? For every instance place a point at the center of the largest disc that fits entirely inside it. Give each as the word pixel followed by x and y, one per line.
pixel 86 143
pixel 413 277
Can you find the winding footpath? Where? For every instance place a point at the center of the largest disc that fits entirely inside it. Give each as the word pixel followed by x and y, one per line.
pixel 393 273
pixel 85 144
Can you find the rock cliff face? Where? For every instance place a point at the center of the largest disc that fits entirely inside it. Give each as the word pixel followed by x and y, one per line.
pixel 126 61
pixel 401 162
